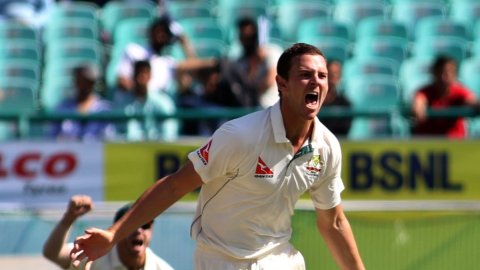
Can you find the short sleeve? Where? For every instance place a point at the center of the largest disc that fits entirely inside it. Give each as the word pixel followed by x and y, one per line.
pixel 220 157
pixel 325 193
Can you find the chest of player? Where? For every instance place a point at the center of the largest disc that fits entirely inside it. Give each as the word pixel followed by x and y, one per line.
pixel 280 171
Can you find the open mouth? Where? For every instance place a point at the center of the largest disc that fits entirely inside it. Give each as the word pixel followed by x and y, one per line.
pixel 137 242
pixel 311 98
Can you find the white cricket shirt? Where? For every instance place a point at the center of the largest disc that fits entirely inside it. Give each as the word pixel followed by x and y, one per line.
pixel 252 180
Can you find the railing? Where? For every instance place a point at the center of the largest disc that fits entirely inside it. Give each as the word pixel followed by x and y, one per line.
pixel 25 120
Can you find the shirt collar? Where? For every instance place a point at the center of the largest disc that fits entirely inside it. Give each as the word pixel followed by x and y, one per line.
pixel 279 132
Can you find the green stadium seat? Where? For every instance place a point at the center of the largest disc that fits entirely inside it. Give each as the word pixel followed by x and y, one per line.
pixel 466 11
pixel 204 48
pixel 380 27
pixel 411 12
pixel 71 28
pixel 228 13
pixel 132 30
pixel 116 11
pixel 414 73
pixel 74 9
pixel 201 28
pixel 387 47
pixel 332 47
pixel 369 66
pixel 17 98
pixel 322 27
pixel 468 74
pixel 90 50
pixel 441 26
pixel 20 50
pixel 373 92
pixel 431 47
pixel 185 10
pixel 354 12
pixel 11 30
pixel 26 70
pixel 290 14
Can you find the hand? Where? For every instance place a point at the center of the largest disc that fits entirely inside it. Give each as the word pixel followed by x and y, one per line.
pixel 94 244
pixel 78 206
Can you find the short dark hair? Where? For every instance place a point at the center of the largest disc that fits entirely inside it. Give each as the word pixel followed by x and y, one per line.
pixel 121 211
pixel 139 65
pixel 285 60
pixel 439 62
pixel 163 22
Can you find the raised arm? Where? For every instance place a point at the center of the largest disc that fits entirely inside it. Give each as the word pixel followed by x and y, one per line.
pixel 96 242
pixel 55 248
pixel 337 233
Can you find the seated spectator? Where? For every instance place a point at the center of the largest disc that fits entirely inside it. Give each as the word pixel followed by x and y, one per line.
pixel 338 126
pixel 253 72
pixel 34 13
pixel 206 88
pixel 139 100
pixel 161 34
pixel 85 101
pixel 443 92
pixel 133 252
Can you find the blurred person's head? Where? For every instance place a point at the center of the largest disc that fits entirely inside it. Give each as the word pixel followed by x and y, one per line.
pixel 444 70
pixel 85 77
pixel 334 68
pixel 160 34
pixel 248 35
pixel 132 249
pixel 142 73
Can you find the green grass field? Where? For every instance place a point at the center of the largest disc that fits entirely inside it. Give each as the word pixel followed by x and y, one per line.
pixel 399 240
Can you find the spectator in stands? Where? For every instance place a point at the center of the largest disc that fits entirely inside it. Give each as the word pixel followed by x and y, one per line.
pixel 85 101
pixel 34 13
pixel 253 72
pixel 338 126
pixel 131 253
pixel 206 88
pixel 162 33
pixel 141 101
pixel 443 92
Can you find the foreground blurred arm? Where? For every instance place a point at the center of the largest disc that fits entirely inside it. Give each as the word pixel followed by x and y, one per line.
pixel 96 242
pixel 337 233
pixel 55 248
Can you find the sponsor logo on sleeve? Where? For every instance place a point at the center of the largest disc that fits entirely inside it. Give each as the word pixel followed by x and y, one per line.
pixel 203 153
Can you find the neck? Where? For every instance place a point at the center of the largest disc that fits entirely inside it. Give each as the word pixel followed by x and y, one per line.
pixel 297 131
